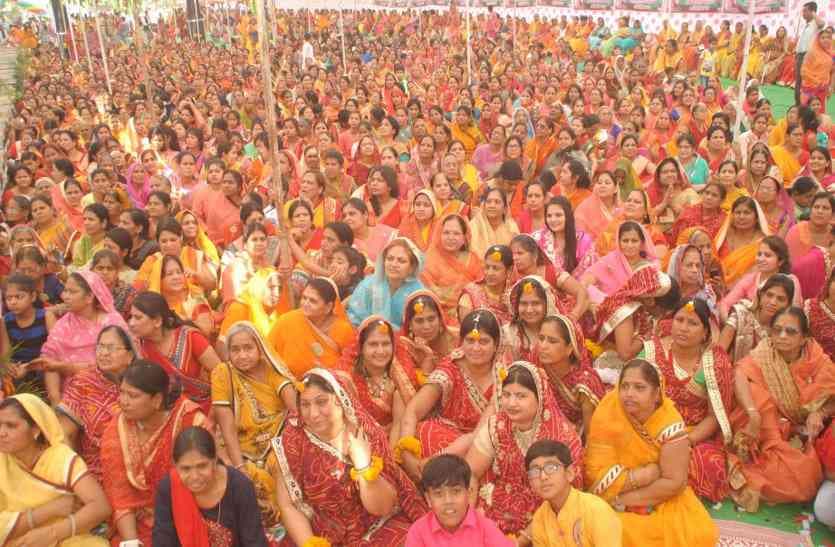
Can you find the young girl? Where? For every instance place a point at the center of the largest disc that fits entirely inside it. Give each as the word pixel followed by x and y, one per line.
pixel 25 330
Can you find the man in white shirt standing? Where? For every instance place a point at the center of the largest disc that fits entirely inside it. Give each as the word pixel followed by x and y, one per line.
pixel 307 52
pixel 811 25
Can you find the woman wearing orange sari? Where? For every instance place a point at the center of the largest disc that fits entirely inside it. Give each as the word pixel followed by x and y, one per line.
pixel 450 264
pixel 419 223
pixel 739 238
pixel 464 130
pixel 316 333
pixel 137 446
pixel 637 458
pixel 602 207
pixel 786 390
pixel 815 232
pixel 542 145
pixel 817 68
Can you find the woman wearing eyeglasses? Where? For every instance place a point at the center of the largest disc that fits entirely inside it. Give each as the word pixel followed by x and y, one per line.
pixel 90 397
pixel 785 391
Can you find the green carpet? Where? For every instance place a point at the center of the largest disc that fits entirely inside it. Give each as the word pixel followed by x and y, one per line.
pixel 784 517
pixel 782 98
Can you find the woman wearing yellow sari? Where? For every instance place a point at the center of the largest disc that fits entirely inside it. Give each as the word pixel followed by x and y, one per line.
pixel 249 395
pixel 315 334
pixel 790 156
pixel 186 299
pixel 739 238
pixel 261 302
pixel 466 131
pixel 194 236
pixel 492 223
pixel 637 459
pixel 43 482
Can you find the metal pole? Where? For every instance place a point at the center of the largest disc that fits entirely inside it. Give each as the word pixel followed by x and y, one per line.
pixel 469 50
pixel 274 21
pixel 515 17
pixel 83 27
pixel 68 24
pixel 342 37
pixel 140 48
pixel 743 78
pixel 103 51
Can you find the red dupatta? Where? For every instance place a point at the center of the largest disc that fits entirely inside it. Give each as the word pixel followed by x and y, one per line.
pixel 192 530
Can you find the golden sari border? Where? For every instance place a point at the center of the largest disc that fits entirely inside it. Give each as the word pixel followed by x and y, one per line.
pixel 620 315
pixel 294 489
pixel 608 479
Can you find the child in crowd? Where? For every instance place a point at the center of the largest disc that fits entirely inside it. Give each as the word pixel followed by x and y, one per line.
pixel 25 330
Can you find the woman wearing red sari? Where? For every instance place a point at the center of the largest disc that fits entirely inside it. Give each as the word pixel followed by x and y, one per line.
pixel 460 390
pixel 698 377
pixel 425 337
pixel 381 193
pixel 183 351
pixel 366 157
pixel 336 473
pixel 821 313
pixel 137 446
pixel 528 412
pixel 489 292
pixel 707 214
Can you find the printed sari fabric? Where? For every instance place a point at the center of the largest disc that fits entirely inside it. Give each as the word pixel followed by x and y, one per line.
pixel 303 345
pixel 780 466
pixel 617 443
pixel 822 324
pixel 505 492
pixel 710 387
pixel 54 475
pixel 748 331
pixel 695 216
pixel 481 298
pixel 461 406
pixel 319 484
pixel 183 362
pixel 132 469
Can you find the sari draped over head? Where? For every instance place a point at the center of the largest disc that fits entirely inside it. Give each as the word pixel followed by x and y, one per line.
pixel 191 258
pixel 647 281
pixel 201 241
pixel 449 334
pixel 249 304
pixel 258 411
pixel 518 346
pixel 133 469
pixel 709 391
pixel 445 273
pixel 786 219
pixel 705 291
pixel 592 215
pixel 582 381
pixel 189 306
pixel 317 477
pixel 483 234
pixel 373 296
pixel 139 198
pixel 410 227
pixel 379 406
pixel 613 270
pixel 788 162
pixel 304 345
pixel 73 338
pixel 780 466
pixel 738 262
pixel 631 181
pixel 616 444
pixel 585 254
pixel 505 493
pixel 55 474
pixel 816 70
pixel 799 240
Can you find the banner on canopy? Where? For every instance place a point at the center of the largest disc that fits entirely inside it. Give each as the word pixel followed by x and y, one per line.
pixel 595 5
pixel 641 5
pixel 761 6
pixel 697 6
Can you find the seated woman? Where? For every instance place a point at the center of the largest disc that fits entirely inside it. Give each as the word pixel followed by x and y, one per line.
pixel 216 502
pixel 634 251
pixel 821 316
pixel 527 413
pixel 419 223
pixel 707 214
pixel 739 239
pixel 636 458
pixel 194 236
pixel 395 277
pixel 813 269
pixel 772 258
pixel 785 391
pixel 46 495
pixel 247 262
pixel 490 291
pixel 250 395
pixel 198 268
pixel 369 239
pixel 562 354
pixel 450 264
pixel 119 241
pixel 635 208
pixel 90 397
pixel 181 349
pixel 381 192
pixel 492 224
pixel 569 250
pixel 425 338
pixel 137 445
pixel 96 224
pixel 184 298
pixel 261 302
pixel 748 322
pixel 137 224
pixel 698 378
pixel 383 384
pixel 71 344
pixel 687 267
pixel 459 390
pixel 598 210
pixel 806 234
pixel 531 300
pixel 337 480
pixel 32 262
pixel 315 334
pixel 529 259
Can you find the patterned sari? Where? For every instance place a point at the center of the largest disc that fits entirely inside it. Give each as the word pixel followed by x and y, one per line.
pixel 780 466
pixel 741 260
pixel 505 493
pixel 183 362
pixel 710 389
pixel 132 469
pixel 617 444
pixel 318 481
pixel 822 323
pixel 749 332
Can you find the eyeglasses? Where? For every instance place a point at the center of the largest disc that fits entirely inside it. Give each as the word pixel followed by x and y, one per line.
pixel 109 348
pixel 788 331
pixel 545 471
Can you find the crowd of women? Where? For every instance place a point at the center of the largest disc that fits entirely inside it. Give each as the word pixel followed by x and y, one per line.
pixel 209 345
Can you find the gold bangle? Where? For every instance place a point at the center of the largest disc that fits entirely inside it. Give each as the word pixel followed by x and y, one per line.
pixel 370 472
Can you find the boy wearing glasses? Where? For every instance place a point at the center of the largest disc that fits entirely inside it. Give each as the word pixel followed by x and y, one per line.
pixel 567 517
pixel 452 522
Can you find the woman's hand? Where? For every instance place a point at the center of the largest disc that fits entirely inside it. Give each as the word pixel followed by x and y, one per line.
pixel 418 348
pixel 752 429
pixel 48 364
pixel 814 424
pixel 36 538
pixel 412 466
pixel 358 450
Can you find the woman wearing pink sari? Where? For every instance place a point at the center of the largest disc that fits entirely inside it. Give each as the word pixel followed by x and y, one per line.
pixel 71 345
pixel 814 268
pixel 601 208
pixel 807 234
pixel 569 249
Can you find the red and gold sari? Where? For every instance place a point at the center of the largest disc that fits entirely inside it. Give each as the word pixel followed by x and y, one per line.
pixel 183 363
pixel 505 493
pixel 320 486
pixel 695 216
pixel 822 323
pixel 711 388
pixel 132 469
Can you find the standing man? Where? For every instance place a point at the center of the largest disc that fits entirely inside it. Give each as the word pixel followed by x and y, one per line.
pixel 812 24
pixel 308 57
